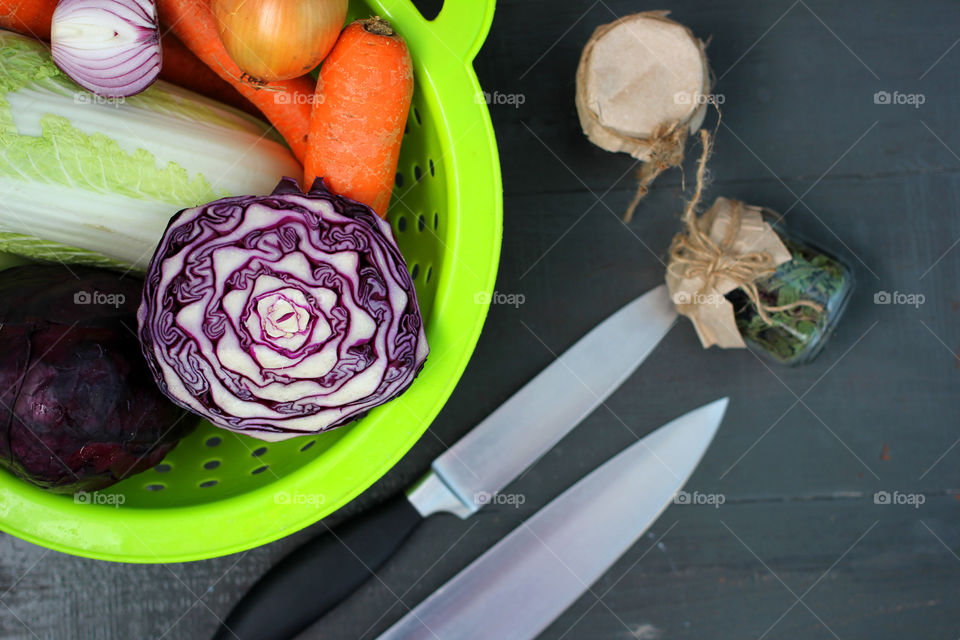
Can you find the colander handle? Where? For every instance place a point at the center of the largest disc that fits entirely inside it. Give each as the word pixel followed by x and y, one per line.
pixel 463 25
pixel 315 577
pixel 460 28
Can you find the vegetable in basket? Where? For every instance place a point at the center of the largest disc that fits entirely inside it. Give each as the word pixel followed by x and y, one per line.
pixel 179 66
pixel 111 47
pixel 182 68
pixel 285 104
pixel 94 181
pixel 359 113
pixel 281 315
pixel 80 409
pixel 273 40
pixel 31 17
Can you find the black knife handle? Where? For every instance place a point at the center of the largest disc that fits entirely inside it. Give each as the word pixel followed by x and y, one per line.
pixel 319 574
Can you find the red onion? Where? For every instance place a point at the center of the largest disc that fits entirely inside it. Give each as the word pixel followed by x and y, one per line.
pixel 110 47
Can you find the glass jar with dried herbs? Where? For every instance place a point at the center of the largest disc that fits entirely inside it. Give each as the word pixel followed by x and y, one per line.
pixel 795 335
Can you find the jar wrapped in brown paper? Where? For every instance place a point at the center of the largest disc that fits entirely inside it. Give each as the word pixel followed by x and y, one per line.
pixel 642 88
pixel 743 282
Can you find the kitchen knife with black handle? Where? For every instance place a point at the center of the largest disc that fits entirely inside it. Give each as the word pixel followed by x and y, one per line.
pixel 315 577
pixel 525 581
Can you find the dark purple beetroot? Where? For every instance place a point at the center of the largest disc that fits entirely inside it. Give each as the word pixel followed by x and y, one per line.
pixel 78 405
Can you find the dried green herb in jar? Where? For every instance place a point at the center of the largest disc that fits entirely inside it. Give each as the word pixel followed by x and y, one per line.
pixel 795 335
pixel 744 282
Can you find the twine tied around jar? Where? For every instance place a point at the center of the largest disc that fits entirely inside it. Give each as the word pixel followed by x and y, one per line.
pixel 665 151
pixel 729 247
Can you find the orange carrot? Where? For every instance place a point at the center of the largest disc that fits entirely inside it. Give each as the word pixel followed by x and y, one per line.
pixel 359 112
pixel 183 68
pixel 29 17
pixel 285 104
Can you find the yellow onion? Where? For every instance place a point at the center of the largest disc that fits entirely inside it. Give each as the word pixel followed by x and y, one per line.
pixel 273 40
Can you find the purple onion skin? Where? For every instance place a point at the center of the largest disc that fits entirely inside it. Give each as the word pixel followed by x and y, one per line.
pixel 79 407
pixel 279 338
pixel 113 68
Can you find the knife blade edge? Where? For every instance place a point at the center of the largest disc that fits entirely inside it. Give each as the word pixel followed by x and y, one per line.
pixel 520 585
pixel 535 418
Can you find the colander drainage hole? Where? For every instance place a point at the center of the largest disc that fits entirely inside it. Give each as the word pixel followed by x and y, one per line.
pixel 163 467
pixel 399 180
pixel 426 278
pixel 417 173
pixel 401 224
pixel 207 484
pixel 416 116
pixel 308 445
pixel 259 452
pixel 211 464
pixel 259 470
pixel 421 223
pixel 415 271
pixel 433 170
pixel 214 441
pixel 155 487
pixel 436 221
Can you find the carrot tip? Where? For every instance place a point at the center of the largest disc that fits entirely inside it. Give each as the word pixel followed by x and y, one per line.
pixel 378 26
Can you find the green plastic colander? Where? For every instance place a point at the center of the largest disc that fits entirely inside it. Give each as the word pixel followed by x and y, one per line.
pixel 219 492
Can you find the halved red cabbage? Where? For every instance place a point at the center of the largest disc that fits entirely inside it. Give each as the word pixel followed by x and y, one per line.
pixel 281 315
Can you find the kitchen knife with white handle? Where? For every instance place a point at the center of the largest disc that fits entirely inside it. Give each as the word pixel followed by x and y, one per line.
pixel 315 577
pixel 524 582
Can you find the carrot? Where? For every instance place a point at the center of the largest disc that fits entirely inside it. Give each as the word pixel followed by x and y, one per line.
pixel 285 104
pixel 29 17
pixel 183 68
pixel 359 112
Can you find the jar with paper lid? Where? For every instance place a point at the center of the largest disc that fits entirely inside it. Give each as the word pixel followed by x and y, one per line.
pixel 744 280
pixel 642 87
pixel 794 335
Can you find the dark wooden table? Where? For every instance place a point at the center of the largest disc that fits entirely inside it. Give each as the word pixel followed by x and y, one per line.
pixel 799 549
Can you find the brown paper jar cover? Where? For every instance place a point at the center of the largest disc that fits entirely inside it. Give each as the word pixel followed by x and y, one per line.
pixel 637 74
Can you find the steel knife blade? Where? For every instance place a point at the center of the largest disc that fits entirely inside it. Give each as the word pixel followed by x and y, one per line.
pixel 524 582
pixel 544 410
